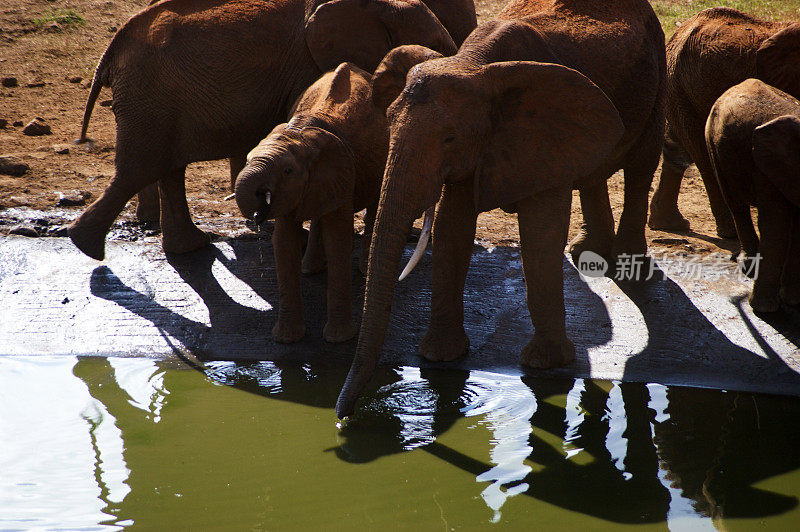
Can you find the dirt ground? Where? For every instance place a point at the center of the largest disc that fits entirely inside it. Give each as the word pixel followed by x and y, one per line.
pixel 51 48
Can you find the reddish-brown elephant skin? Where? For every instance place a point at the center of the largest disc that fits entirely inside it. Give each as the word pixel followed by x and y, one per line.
pixel 198 80
pixel 549 97
pixel 708 54
pixel 753 139
pixel 324 164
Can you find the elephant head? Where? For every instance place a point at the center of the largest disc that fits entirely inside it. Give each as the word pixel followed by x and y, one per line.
pixel 306 167
pixel 776 152
pixel 304 173
pixel 377 26
pixel 512 129
pixel 778 60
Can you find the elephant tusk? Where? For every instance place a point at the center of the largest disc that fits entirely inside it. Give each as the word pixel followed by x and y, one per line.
pixel 269 197
pixel 421 243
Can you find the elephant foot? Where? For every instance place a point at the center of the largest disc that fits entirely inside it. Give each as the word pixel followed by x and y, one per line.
pixel 444 345
pixel 726 230
pixel 90 240
pixel 587 241
pixel 288 333
pixel 338 333
pixel 185 242
pixel 544 353
pixel 313 263
pixel 764 303
pixel 667 219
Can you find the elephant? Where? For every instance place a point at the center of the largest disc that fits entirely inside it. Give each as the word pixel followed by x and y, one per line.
pixel 324 164
pixel 550 96
pixel 199 80
pixel 709 53
pixel 753 139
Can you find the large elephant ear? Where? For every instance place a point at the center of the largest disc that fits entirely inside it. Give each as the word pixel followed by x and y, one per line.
pixel 778 60
pixel 390 76
pixel 776 152
pixel 550 126
pixel 331 174
pixel 363 32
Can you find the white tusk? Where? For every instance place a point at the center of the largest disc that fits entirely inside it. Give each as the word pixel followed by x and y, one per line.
pixel 421 243
pixel 269 197
pixel 229 197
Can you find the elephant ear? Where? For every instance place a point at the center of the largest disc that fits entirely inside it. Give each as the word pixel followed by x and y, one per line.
pixel 390 76
pixel 550 126
pixel 331 174
pixel 778 60
pixel 363 32
pixel 776 152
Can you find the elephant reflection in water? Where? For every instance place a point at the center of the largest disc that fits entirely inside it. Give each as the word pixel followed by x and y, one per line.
pixel 625 453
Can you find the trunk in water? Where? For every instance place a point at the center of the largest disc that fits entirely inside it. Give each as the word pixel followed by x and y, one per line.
pixel 402 200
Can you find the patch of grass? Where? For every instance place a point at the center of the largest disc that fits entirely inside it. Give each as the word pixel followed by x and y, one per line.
pixel 66 18
pixel 673 12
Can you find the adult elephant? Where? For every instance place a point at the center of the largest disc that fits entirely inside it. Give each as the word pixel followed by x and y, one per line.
pixel 552 95
pixel 207 79
pixel 753 138
pixel 711 52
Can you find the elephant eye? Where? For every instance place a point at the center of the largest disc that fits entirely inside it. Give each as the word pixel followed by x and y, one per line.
pixel 288 170
pixel 449 139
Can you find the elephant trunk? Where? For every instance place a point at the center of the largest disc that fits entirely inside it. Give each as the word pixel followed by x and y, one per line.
pixel 252 193
pixel 402 201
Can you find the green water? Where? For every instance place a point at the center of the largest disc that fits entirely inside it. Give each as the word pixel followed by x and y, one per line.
pixel 96 443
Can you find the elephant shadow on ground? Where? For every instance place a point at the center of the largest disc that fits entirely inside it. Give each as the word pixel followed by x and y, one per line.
pixel 682 338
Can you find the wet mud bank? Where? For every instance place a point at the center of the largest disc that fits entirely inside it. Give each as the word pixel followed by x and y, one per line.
pixel 220 303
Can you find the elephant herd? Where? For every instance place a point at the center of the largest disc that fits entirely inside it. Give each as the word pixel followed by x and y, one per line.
pixel 405 107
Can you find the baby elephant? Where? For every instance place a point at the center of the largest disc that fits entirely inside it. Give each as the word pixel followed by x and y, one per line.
pixel 753 139
pixel 324 164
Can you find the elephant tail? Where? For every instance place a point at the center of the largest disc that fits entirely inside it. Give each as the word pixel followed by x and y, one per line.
pixel 101 79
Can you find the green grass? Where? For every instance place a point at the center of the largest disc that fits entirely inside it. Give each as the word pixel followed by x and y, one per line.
pixel 66 18
pixel 673 12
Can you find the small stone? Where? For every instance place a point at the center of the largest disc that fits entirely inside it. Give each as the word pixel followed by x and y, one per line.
pixel 74 199
pixel 36 128
pixel 23 230
pixel 75 79
pixel 10 82
pixel 61 149
pixel 34 84
pixel 13 166
pixel 112 29
pixel 3 123
pixel 106 103
pixel 65 301
pixel 61 230
pixel 17 123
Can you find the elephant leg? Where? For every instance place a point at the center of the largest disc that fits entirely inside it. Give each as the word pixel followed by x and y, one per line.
pixel 748 239
pixel 790 279
pixel 773 220
pixel 148 208
pixel 453 238
pixel 287 243
pixel 236 163
pixel 366 240
pixel 699 152
pixel 597 231
pixel 543 227
pixel 664 213
pixel 178 233
pixel 314 258
pixel 641 163
pixel 88 231
pixel 337 238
